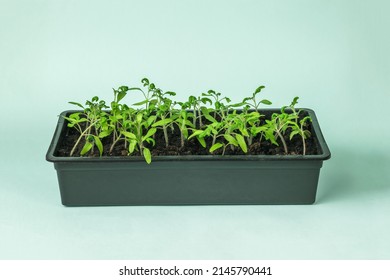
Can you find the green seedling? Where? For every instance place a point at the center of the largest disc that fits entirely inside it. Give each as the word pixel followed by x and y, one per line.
pixel 220 108
pixel 245 123
pixel 91 141
pixel 213 130
pixel 223 134
pixel 280 123
pixel 140 134
pixel 211 118
pixel 113 126
pixel 159 103
pixel 291 107
pixel 93 113
pixel 77 121
pixel 297 126
pixel 164 111
pixel 181 119
pixel 276 128
pixel 236 131
pixel 118 126
pixel 252 102
pixel 195 103
pixel 117 119
pixel 150 95
pixel 300 130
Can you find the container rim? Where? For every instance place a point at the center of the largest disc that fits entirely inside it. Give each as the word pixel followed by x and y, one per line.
pixel 104 159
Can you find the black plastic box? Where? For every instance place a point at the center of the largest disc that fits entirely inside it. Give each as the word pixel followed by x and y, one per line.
pixel 189 180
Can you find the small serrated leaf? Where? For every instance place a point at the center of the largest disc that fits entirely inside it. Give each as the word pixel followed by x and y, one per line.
pixel 307 118
pixel 147 155
pixel 145 81
pixel 242 143
pixel 162 122
pixel 266 102
pixel 149 133
pixel 231 140
pixel 293 133
pixel 105 133
pixel 141 103
pixel 171 93
pixel 259 89
pixel 206 100
pixel 295 101
pixel 207 115
pixel 121 95
pixel 98 144
pixel 188 123
pixel 244 132
pixel 256 130
pixel 216 146
pixel 195 133
pixel 128 134
pixel 139 118
pixel 184 131
pixel 77 104
pixel 150 141
pixel 201 141
pixel 75 116
pixel 237 104
pixel 88 145
pixel 132 145
pixel 151 120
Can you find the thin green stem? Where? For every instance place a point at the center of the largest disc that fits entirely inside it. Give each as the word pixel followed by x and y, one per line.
pixel 303 139
pixel 283 141
pixel 80 137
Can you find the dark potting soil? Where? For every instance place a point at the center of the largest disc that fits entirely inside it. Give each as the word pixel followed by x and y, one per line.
pixel 191 147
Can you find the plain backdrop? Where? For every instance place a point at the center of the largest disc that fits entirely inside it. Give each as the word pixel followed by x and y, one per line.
pixel 333 54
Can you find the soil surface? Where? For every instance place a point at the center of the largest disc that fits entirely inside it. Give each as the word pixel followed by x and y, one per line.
pixel 191 147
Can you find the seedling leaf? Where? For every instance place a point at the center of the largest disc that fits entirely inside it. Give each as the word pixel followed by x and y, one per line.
pixel 139 118
pixel 266 102
pixel 216 146
pixel 149 133
pixel 105 133
pixel 162 122
pixel 121 95
pixel 141 103
pixel 147 155
pixel 242 143
pixel 201 141
pixel 151 119
pixel 207 115
pixel 295 101
pixel 244 132
pixel 196 133
pixel 231 140
pixel 129 135
pixel 77 104
pixel 259 89
pixel 132 145
pixel 98 144
pixel 88 145
pixel 293 133
pixel 151 141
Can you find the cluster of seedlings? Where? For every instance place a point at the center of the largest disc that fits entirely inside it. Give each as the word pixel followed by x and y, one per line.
pixel 211 119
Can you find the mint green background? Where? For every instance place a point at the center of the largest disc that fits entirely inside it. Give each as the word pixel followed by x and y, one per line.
pixel 333 54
